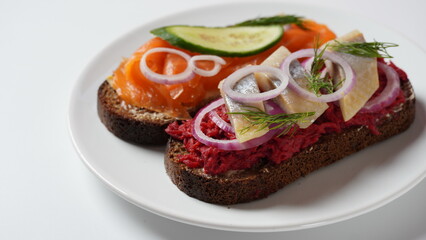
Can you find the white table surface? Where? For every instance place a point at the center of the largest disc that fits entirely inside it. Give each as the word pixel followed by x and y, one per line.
pixel 46 192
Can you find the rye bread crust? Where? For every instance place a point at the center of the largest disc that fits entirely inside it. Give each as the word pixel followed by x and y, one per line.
pixel 134 124
pixel 266 178
pixel 130 123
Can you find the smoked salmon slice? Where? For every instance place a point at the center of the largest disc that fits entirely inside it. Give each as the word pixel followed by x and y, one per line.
pixel 178 99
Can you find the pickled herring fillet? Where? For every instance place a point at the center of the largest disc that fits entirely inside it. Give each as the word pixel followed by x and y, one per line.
pixel 240 123
pixel 290 101
pixel 367 78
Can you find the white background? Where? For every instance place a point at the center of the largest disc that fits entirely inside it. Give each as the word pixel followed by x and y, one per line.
pixel 46 192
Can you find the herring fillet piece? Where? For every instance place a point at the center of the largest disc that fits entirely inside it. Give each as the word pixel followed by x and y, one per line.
pixel 367 77
pixel 290 101
pixel 247 85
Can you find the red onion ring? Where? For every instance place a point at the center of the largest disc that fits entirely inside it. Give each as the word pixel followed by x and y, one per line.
pixel 218 62
pixel 341 92
pixel 231 145
pixel 222 124
pixel 272 108
pixel 182 77
pixel 232 79
pixel 389 93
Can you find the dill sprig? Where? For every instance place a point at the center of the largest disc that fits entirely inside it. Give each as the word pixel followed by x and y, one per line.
pixel 365 49
pixel 263 120
pixel 275 20
pixel 316 82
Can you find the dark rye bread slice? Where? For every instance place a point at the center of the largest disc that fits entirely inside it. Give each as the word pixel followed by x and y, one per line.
pixel 266 178
pixel 134 124
pixel 130 123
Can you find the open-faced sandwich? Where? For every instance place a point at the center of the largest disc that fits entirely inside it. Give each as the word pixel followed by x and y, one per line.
pixel 271 111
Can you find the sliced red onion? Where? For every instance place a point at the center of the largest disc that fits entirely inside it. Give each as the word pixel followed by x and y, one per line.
pixel 222 124
pixel 225 144
pixel 232 79
pixel 272 108
pixel 341 92
pixel 389 93
pixel 218 62
pixel 182 77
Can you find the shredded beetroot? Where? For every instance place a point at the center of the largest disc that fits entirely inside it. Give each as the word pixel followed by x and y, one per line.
pixel 216 161
pixel 402 75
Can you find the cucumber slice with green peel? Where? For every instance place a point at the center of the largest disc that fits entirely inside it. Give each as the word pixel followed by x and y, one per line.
pixel 222 41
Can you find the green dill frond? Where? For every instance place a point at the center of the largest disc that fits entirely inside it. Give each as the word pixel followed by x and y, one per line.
pixel 317 83
pixel 275 20
pixel 263 120
pixel 365 49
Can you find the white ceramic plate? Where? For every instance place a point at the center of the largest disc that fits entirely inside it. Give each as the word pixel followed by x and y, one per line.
pixel 356 185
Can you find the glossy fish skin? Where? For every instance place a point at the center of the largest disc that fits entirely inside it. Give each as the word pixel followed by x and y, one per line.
pixel 247 85
pixel 290 101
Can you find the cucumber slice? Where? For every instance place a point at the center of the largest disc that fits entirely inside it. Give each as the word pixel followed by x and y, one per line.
pixel 222 41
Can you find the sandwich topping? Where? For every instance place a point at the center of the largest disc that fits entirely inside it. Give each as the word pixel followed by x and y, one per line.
pixel 187 74
pixel 177 100
pixel 278 148
pixel 340 85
